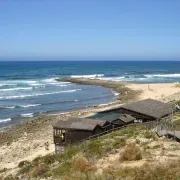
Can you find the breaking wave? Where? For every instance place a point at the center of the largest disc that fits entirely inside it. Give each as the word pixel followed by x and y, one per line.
pixel 29 105
pixel 5 120
pixel 39 94
pixel 27 115
pixel 15 89
pixel 162 75
pixel 88 76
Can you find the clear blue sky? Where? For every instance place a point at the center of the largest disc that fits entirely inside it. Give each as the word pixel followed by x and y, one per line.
pixel 119 29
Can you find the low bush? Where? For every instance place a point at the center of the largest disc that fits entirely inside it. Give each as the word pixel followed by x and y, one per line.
pixel 149 135
pixel 11 177
pixel 118 143
pixel 26 169
pixel 23 163
pixel 94 149
pixel 40 171
pixel 64 169
pixel 82 164
pixel 131 153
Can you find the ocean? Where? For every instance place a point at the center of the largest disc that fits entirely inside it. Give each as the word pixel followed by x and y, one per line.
pixel 28 89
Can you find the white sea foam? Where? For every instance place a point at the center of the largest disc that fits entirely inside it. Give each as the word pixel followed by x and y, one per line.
pixel 40 94
pixel 88 76
pixel 36 84
pixel 16 89
pixel 62 85
pixel 162 75
pixel 116 93
pixel 107 104
pixel 27 115
pixel 29 105
pixel 5 120
pixel 7 84
pixel 10 107
pixel 50 80
pixel 29 82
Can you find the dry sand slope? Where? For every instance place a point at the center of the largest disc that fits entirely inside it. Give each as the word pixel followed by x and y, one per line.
pixel 161 91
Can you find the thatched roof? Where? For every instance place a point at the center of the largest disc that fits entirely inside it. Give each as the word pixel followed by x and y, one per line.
pixel 150 107
pixel 79 124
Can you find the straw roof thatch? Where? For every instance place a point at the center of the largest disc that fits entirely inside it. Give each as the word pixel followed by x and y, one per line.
pixel 79 124
pixel 150 107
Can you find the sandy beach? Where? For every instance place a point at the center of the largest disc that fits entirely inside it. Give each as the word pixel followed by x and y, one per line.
pixel 160 91
pixel 26 141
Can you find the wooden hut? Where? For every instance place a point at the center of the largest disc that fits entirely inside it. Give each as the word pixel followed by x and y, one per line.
pixel 123 119
pixel 74 130
pixel 115 119
pixel 142 111
pixel 147 110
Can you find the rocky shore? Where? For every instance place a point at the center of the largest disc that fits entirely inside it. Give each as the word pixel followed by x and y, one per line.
pixel 126 94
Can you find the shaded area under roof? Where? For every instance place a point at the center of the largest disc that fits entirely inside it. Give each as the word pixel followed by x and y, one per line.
pixel 150 107
pixel 79 124
pixel 106 116
pixel 127 118
pixel 110 117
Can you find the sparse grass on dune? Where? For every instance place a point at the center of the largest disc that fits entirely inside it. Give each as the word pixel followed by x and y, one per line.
pixel 81 162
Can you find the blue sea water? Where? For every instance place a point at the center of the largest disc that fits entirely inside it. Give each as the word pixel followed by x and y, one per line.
pixel 28 89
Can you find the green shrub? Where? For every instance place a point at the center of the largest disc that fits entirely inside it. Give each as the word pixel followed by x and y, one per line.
pixel 149 135
pixel 119 143
pixel 40 171
pixel 94 149
pixel 26 169
pixel 11 177
pixel 49 159
pixel 62 170
pixel 23 163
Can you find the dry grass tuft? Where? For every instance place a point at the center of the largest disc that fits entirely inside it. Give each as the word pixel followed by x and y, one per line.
pixel 83 165
pixel 131 153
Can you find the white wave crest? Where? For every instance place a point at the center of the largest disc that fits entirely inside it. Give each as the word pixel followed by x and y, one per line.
pixel 7 84
pixel 88 76
pixel 29 105
pixel 162 75
pixel 36 84
pixel 15 89
pixel 27 115
pixel 10 107
pixel 5 120
pixel 116 93
pixel 50 80
pixel 107 104
pixel 40 94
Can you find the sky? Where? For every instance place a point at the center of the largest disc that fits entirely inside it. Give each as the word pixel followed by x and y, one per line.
pixel 90 29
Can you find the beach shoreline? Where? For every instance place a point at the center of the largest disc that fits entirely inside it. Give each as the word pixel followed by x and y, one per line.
pixel 26 141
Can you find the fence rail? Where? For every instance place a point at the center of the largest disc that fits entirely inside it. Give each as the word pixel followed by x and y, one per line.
pixel 149 125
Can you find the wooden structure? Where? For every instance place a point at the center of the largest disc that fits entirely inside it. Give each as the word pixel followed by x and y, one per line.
pixel 75 129
pixel 115 119
pixel 123 119
pixel 147 110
